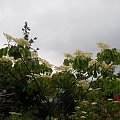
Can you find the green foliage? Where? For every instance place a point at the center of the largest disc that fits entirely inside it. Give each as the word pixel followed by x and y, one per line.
pixel 109 56
pixel 86 89
pixel 18 116
pixel 3 51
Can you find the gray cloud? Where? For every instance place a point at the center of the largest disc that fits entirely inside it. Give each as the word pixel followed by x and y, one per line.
pixel 63 25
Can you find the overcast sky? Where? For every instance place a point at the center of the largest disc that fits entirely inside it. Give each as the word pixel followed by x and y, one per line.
pixel 62 25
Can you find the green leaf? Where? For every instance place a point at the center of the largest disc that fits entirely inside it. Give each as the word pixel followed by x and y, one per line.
pixel 66 62
pixel 1 53
pixel 14 52
pixel 5 51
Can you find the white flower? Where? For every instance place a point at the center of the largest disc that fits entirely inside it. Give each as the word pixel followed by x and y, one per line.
pixel 83 54
pixel 83 117
pixel 84 112
pixel 116 101
pixel 62 68
pixel 14 113
pixel 102 45
pixel 90 89
pixel 34 54
pixel 68 55
pixel 104 65
pixel 85 101
pixel 75 100
pixel 118 79
pixel 41 60
pixel 6 58
pixel 107 66
pixel 97 88
pixel 77 53
pixel 92 62
pixel 77 107
pixel 87 54
pixel 8 37
pixel 78 85
pixel 93 103
pixel 110 99
pixel 22 42
pixel 83 83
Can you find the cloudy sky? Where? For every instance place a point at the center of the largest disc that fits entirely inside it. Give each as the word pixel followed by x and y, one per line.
pixel 62 25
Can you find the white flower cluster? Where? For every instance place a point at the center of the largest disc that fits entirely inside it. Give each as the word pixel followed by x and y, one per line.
pixel 9 37
pixel 110 99
pixel 41 60
pixel 98 89
pixel 83 117
pixel 22 42
pixel 93 103
pixel 78 53
pixel 14 113
pixel 103 64
pixel 118 79
pixel 7 58
pixel 84 112
pixel 93 62
pixel 67 55
pixel 83 83
pixel 34 54
pixel 107 66
pixel 19 41
pixel 103 45
pixel 83 54
pixel 62 68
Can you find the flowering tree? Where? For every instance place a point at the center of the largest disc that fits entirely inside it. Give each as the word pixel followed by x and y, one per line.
pixel 23 73
pixel 100 83
pixel 81 88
